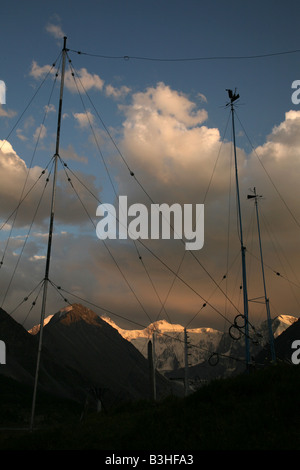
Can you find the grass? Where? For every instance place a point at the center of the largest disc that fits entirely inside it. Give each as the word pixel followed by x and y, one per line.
pixel 256 411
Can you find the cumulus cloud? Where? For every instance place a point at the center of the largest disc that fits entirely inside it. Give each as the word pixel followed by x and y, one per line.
pixel 177 157
pixel 70 154
pixel 18 181
pixel 81 81
pixel 173 154
pixel 50 108
pixel 84 119
pixel 40 132
pixel 84 79
pixel 20 135
pixel 117 92
pixel 38 72
pixel 8 113
pixel 168 103
pixel 55 30
pixel 164 137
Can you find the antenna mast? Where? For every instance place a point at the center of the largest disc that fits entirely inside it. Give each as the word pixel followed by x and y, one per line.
pixel 46 278
pixel 233 97
pixel 186 364
pixel 271 336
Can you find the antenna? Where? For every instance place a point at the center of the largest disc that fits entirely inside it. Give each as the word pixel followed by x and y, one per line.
pixel 271 336
pixel 186 364
pixel 46 278
pixel 151 371
pixel 233 97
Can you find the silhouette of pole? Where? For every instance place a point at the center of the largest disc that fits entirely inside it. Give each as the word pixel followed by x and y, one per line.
pixel 46 278
pixel 271 336
pixel 186 364
pixel 233 97
pixel 151 371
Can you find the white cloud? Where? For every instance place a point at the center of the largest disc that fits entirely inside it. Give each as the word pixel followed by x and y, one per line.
pixel 39 72
pixel 70 154
pixel 40 132
pixel 84 119
pixel 49 108
pixel 163 135
pixel 84 79
pixel 20 135
pixel 117 92
pixel 6 227
pixel 55 30
pixel 202 97
pixel 37 258
pixel 173 154
pixel 14 174
pixel 7 112
pixel 164 101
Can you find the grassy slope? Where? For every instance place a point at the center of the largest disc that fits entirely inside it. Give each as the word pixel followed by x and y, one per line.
pixel 253 411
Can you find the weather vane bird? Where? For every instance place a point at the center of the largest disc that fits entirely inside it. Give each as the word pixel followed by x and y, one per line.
pixel 232 96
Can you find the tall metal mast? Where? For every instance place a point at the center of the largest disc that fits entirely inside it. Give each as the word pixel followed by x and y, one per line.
pixel 46 278
pixel 271 336
pixel 233 97
pixel 186 364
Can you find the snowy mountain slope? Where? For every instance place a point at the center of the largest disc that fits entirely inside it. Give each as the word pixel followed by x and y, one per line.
pixel 169 342
pixel 203 342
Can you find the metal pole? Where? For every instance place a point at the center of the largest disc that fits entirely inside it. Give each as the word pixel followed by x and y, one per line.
pixel 271 337
pixel 154 366
pixel 186 365
pixel 243 249
pixel 151 371
pixel 46 278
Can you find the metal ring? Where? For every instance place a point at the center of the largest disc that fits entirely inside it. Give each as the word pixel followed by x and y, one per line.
pixel 236 328
pixel 244 319
pixel 214 363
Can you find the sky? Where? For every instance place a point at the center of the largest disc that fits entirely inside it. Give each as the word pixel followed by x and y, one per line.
pixel 148 96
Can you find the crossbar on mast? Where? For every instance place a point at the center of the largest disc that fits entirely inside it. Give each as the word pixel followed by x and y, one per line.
pixel 46 278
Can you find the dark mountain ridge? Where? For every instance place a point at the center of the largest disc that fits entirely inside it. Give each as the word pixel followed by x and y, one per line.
pixel 283 345
pixel 80 353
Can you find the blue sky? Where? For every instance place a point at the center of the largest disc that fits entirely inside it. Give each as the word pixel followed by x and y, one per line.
pixel 140 101
pixel 170 29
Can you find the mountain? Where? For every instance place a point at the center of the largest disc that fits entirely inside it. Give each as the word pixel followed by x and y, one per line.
pixel 105 362
pixel 18 365
pixel 169 342
pixel 283 345
pixel 21 356
pixel 212 353
pixel 83 358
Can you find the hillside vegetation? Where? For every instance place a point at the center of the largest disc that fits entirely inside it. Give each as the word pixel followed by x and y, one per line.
pixel 259 410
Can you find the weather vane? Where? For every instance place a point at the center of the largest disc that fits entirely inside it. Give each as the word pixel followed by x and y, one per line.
pixel 232 96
